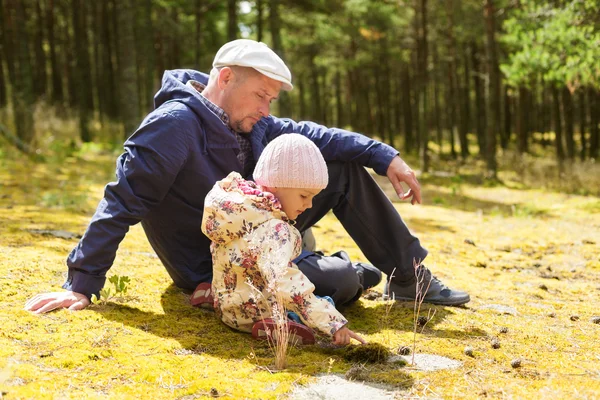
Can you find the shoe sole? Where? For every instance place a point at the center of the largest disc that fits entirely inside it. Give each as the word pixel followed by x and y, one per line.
pixel 458 302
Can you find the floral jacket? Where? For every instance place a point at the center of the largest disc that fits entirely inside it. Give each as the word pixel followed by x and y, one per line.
pixel 252 248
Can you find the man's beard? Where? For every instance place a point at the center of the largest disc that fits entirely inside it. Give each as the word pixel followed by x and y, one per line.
pixel 237 127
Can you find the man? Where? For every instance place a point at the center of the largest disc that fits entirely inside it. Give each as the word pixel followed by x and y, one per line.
pixel 203 128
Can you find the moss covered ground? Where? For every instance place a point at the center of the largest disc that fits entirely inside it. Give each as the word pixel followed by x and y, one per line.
pixel 530 258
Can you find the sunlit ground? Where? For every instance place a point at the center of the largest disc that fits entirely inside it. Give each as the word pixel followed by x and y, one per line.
pixel 534 250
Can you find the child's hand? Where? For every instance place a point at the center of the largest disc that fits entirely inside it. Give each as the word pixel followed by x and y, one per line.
pixel 343 336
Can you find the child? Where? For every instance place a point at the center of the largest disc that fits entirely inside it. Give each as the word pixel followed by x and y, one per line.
pixel 254 242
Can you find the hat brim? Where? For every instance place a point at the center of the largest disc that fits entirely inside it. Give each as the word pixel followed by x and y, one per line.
pixel 287 85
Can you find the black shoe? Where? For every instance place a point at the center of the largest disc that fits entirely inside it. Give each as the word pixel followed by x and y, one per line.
pixel 368 275
pixel 438 293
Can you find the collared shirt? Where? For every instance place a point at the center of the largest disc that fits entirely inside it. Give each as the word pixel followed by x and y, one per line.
pixel 245 156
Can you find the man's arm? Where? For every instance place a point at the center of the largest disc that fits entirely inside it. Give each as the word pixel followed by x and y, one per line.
pixel 342 145
pixel 153 156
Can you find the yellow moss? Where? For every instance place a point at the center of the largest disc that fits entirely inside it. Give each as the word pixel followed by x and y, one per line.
pixel 152 344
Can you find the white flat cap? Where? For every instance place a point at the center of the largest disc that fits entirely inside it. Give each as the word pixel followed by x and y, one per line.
pixel 257 55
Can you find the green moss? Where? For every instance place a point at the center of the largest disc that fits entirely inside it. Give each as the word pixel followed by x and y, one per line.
pixel 370 353
pixel 152 344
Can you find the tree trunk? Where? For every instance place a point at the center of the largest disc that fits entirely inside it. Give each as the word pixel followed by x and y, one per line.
pixel 82 65
pixel 19 69
pixel 560 155
pixel 128 87
pixel 322 79
pixel 84 54
pixel 69 55
pixel 285 106
pixel 302 97
pixel 380 115
pixel 493 88
pixel 593 109
pixel 546 101
pixel 232 26
pixel 57 85
pixel 480 116
pixel 453 79
pixel 7 50
pixel 150 85
pixel 396 103
pixel 422 61
pixel 3 94
pixel 3 59
pixel 387 82
pixel 466 94
pixel 582 124
pixel 368 107
pixel 40 82
pixel 175 40
pixel 382 82
pixel 505 138
pixel 436 99
pixel 108 56
pixel 464 116
pixel 569 130
pixel 315 95
pixel 198 16
pixel 339 106
pixel 259 20
pixel 451 110
pixel 523 113
pixel 97 59
pixel 409 143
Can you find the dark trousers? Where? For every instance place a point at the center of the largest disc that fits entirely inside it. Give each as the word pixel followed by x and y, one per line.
pixel 373 223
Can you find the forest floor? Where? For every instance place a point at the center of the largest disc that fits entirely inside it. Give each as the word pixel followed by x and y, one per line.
pixel 530 259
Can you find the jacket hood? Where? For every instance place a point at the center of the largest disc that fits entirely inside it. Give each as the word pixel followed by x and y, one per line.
pixel 235 207
pixel 174 87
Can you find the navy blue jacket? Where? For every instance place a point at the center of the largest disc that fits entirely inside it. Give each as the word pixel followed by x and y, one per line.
pixel 170 163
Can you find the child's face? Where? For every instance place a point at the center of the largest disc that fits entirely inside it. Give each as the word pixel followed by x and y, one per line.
pixel 294 201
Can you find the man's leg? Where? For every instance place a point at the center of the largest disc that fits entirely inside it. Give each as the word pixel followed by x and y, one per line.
pixel 332 276
pixel 371 220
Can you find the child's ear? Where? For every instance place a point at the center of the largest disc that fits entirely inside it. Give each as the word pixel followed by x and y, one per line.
pixel 270 189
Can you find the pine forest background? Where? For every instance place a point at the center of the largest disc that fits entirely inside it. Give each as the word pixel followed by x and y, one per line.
pixel 454 79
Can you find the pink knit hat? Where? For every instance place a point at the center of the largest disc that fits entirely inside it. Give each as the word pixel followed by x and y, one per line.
pixel 291 161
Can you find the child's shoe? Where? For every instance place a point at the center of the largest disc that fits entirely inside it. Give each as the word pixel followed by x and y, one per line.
pixel 203 296
pixel 299 334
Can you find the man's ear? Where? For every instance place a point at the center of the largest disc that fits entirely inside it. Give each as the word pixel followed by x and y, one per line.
pixel 225 77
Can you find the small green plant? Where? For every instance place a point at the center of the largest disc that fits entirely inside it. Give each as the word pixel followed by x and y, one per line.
pixel 120 289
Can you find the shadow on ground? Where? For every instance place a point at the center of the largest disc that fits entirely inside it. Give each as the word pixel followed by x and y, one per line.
pixel 200 331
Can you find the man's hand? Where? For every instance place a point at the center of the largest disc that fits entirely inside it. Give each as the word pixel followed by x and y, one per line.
pixel 45 302
pixel 342 337
pixel 399 172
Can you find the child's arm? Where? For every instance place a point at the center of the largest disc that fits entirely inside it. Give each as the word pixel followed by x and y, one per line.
pixel 277 245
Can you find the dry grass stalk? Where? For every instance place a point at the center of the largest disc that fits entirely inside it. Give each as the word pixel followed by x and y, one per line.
pixel 279 340
pixel 274 268
pixel 420 292
pixel 389 303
